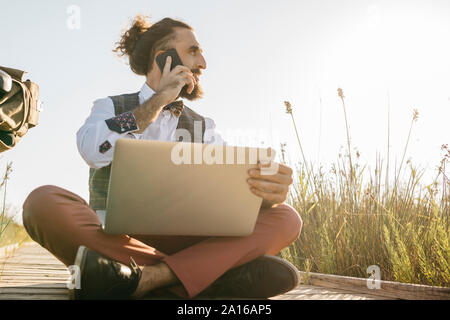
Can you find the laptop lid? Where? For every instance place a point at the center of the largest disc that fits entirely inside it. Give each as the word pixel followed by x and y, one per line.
pixel 177 188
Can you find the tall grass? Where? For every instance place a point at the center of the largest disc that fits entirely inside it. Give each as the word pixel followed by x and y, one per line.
pixel 4 219
pixel 352 220
pixel 10 231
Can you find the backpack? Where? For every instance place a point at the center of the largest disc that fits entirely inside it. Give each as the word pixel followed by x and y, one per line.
pixel 19 107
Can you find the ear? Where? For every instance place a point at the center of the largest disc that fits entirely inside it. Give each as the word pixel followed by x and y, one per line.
pixel 158 53
pixel 154 72
pixel 154 64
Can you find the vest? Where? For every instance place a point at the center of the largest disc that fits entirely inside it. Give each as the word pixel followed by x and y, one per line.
pixel 99 178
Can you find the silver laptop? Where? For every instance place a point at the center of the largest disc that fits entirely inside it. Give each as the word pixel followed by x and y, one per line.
pixel 170 188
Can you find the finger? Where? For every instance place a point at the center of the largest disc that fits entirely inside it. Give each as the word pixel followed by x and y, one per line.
pixel 188 73
pixel 268 186
pixel 266 155
pixel 271 171
pixel 180 68
pixel 279 178
pixel 270 197
pixel 268 166
pixel 166 69
pixel 190 82
pixel 282 168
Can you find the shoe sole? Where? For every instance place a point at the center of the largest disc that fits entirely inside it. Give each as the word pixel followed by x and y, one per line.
pixel 79 262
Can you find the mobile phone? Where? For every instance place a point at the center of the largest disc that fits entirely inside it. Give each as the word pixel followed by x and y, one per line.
pixel 161 59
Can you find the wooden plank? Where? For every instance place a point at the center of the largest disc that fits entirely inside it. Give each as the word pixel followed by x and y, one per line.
pixel 306 289
pixel 31 258
pixel 328 297
pixel 32 273
pixel 317 290
pixel 387 288
pixel 32 278
pixel 33 297
pixel 48 285
pixel 31 267
pixel 8 250
pixel 308 292
pixel 30 261
pixel 32 246
pixel 28 282
pixel 21 272
pixel 53 274
pixel 33 261
pixel 32 290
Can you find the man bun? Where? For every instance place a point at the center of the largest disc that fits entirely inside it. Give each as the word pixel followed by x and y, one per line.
pixel 143 39
pixel 129 39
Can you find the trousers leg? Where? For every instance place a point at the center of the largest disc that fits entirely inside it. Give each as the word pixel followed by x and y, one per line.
pixel 61 221
pixel 201 264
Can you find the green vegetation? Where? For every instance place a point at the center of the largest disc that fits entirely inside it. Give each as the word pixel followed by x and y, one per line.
pixel 14 233
pixel 10 231
pixel 353 218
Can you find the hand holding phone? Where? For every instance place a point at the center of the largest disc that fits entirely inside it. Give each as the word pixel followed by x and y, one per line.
pixel 161 59
pixel 172 83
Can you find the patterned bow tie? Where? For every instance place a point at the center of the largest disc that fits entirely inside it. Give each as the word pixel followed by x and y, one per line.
pixel 175 107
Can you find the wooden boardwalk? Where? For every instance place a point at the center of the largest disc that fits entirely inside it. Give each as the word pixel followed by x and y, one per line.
pixel 32 273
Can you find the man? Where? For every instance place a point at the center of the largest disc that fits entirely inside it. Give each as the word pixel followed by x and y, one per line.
pixel 129 266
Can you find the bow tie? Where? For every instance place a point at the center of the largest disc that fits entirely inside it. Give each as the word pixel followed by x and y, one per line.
pixel 175 107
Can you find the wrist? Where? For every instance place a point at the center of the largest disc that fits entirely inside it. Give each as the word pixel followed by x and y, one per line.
pixel 149 110
pixel 159 100
pixel 266 204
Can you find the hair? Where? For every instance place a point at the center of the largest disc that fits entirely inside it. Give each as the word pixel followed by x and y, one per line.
pixel 143 39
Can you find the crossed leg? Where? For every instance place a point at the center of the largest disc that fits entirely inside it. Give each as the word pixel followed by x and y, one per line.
pixel 61 221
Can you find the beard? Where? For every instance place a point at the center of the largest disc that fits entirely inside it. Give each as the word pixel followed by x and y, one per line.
pixel 196 94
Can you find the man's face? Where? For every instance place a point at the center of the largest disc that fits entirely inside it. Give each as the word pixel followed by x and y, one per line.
pixel 191 55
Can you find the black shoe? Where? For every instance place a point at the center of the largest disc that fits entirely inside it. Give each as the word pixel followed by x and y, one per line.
pixel 103 278
pixel 261 278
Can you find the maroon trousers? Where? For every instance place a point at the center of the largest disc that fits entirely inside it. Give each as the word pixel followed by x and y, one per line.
pixel 61 221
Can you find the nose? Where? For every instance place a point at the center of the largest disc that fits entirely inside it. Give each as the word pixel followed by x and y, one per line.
pixel 202 62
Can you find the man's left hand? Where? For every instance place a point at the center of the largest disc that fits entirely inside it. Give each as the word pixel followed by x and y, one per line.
pixel 273 188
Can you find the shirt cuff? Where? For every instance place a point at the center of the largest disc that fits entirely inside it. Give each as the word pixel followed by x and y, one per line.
pixel 125 122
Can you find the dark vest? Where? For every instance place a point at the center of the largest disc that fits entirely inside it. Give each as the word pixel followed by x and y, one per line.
pixel 99 178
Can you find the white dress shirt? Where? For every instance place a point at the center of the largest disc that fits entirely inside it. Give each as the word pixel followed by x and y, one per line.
pixel 94 132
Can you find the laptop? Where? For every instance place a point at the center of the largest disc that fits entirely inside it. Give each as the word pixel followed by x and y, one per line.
pixel 178 188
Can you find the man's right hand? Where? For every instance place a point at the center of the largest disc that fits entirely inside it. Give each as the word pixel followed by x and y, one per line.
pixel 172 82
pixel 168 90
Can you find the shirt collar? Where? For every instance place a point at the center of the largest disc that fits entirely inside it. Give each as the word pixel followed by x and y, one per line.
pixel 146 92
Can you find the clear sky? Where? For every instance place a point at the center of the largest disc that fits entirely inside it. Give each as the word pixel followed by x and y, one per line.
pixel 258 53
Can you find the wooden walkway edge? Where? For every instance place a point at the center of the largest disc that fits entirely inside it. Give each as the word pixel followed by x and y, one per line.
pixel 31 273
